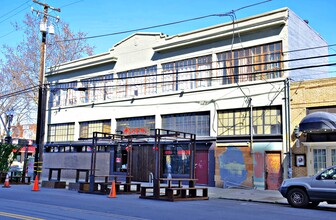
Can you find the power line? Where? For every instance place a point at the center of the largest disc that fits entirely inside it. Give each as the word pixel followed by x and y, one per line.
pixel 18 92
pixel 191 71
pixel 162 82
pixel 8 33
pixel 100 79
pixel 235 77
pixel 25 9
pixel 63 6
pixel 12 11
pixel 309 48
pixel 162 25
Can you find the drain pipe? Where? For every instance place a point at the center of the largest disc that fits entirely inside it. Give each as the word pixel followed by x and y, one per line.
pixel 150 178
pixel 288 129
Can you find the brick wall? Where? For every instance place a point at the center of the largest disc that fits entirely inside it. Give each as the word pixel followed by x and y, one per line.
pixel 305 95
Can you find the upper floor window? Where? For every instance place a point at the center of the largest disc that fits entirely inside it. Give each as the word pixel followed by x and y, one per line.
pixel 196 123
pixel 234 122
pixel 99 88
pixel 187 74
pixel 61 132
pixel 89 90
pixel 248 64
pixel 266 121
pixel 137 82
pixel 64 94
pixel 87 128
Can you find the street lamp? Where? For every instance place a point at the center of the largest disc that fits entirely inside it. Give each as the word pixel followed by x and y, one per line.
pixel 9 116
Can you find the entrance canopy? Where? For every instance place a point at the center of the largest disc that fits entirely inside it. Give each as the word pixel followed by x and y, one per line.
pixel 318 122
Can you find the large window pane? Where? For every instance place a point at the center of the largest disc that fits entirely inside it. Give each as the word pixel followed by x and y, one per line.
pixel 176 159
pixel 266 121
pixel 187 74
pixel 195 123
pixel 86 129
pixel 61 132
pixel 254 63
pixel 333 157
pixel 320 159
pixel 234 122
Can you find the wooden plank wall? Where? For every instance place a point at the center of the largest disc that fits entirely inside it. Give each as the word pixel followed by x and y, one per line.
pixel 143 162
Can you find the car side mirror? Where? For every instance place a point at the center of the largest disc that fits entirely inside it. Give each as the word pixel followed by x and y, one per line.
pixel 318 177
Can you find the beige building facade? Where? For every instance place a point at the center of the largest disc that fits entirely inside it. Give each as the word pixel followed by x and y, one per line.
pixel 308 97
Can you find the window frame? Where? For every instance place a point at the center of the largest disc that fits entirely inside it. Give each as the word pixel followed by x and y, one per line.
pixel 183 121
pixel 67 134
pixel 86 128
pixel 259 122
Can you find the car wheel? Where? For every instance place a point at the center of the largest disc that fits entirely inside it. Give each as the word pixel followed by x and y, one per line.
pixel 313 204
pixel 297 198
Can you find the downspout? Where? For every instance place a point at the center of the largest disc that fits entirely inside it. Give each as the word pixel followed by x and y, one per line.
pixel 251 125
pixel 288 128
pixel 251 133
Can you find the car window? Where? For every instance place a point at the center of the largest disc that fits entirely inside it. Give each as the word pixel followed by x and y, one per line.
pixel 329 174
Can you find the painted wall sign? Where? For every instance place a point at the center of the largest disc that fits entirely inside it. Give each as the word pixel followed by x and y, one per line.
pixel 130 131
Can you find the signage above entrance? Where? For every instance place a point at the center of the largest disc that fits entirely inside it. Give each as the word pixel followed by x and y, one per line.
pixel 132 131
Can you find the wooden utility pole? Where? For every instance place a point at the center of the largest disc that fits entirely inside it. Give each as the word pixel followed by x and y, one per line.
pixel 42 95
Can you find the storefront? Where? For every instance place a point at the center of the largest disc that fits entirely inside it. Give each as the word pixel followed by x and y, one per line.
pixel 319 138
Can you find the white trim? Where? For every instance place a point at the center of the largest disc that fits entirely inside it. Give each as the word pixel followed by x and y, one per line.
pixel 319 144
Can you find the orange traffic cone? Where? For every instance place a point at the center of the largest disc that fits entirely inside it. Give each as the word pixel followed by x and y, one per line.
pixel 6 183
pixel 36 184
pixel 113 193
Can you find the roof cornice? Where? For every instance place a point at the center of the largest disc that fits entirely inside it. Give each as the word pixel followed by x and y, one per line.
pixel 86 62
pixel 225 30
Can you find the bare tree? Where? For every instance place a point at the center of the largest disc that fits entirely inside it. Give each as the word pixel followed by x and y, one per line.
pixel 19 71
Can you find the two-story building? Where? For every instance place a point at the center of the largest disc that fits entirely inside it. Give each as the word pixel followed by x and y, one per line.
pixel 228 84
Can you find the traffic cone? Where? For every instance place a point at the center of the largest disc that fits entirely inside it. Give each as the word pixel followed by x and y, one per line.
pixel 6 183
pixel 36 184
pixel 113 193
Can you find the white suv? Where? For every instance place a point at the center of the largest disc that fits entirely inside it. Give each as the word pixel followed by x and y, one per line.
pixel 310 191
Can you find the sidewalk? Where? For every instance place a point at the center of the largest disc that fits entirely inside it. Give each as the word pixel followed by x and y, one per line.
pixel 253 195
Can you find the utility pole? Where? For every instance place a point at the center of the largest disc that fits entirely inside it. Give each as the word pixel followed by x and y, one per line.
pixel 42 95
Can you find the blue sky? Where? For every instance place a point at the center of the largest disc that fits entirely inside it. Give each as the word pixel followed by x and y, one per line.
pixel 97 17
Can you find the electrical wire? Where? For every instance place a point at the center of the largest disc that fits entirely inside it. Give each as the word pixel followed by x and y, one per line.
pixel 100 79
pixel 191 71
pixel 12 11
pixel 166 24
pixel 25 9
pixel 18 92
pixel 63 6
pixel 313 66
pixel 254 56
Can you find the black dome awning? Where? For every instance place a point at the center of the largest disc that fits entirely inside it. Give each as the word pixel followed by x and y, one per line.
pixel 318 121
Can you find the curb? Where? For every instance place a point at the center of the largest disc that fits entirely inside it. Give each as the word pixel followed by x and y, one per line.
pixel 254 200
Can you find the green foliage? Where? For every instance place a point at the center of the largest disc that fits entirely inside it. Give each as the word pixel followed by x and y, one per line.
pixel 7 156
